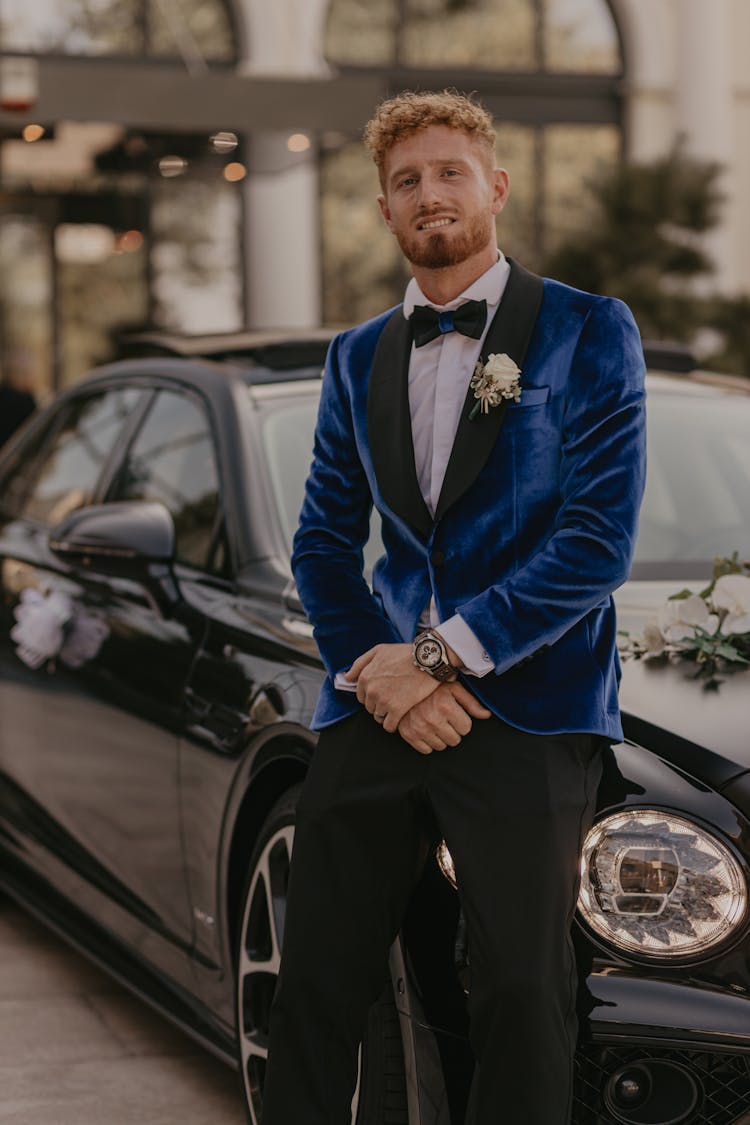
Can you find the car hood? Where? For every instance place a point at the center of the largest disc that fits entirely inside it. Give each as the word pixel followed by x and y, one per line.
pixel 669 711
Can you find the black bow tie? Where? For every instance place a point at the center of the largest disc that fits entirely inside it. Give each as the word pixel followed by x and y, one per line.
pixel 427 323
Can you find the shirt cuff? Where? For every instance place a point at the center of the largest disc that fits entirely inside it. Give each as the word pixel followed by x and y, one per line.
pixel 466 645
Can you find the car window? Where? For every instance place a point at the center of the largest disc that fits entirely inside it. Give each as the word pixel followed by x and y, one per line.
pixel 172 460
pixel 697 502
pixel 67 474
pixel 288 430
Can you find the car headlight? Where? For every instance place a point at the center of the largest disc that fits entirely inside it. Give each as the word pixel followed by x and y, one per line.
pixel 657 885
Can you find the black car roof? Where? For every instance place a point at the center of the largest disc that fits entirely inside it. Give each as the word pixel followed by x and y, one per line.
pixel 273 356
pixel 268 356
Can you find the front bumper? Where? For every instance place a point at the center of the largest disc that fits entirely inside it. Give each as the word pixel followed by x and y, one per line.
pixel 661 1052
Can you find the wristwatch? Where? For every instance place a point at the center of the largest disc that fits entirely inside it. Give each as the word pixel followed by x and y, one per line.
pixel 431 655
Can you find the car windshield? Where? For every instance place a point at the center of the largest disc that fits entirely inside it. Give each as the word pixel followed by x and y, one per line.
pixel 697 502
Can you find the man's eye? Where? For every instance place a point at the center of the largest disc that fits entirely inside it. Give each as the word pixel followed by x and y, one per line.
pixel 452 172
pixel 408 181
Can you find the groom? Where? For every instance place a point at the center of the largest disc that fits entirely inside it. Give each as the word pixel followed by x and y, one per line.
pixel 508 489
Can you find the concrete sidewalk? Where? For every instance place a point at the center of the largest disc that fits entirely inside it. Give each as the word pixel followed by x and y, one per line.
pixel 76 1049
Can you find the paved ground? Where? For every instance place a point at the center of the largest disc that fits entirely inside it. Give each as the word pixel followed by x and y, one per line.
pixel 76 1049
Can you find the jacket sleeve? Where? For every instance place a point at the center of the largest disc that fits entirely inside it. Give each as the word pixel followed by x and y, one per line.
pixel 327 558
pixel 602 476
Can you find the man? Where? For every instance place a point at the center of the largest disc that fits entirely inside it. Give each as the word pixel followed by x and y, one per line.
pixel 509 512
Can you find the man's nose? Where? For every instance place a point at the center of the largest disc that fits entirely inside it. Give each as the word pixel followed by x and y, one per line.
pixel 429 190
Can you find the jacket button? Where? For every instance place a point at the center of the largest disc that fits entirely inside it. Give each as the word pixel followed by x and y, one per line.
pixel 438 558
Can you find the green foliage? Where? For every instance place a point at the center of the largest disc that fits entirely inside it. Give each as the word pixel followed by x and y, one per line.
pixel 729 317
pixel 643 243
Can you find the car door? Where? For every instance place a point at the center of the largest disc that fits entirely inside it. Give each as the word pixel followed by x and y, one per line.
pixel 92 741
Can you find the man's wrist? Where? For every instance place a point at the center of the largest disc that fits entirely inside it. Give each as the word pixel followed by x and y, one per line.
pixel 453 658
pixel 471 655
pixel 431 654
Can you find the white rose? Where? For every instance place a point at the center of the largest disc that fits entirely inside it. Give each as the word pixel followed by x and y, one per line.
pixel 732 593
pixel 679 618
pixel 653 641
pixel 39 629
pixel 502 372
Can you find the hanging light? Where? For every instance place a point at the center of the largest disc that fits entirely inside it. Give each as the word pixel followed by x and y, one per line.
pixel 224 142
pixel 32 133
pixel 298 142
pixel 171 166
pixel 235 172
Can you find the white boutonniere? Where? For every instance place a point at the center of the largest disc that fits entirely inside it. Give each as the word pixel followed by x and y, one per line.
pixel 497 379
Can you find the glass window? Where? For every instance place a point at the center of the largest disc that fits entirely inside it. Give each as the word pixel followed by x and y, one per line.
pixel 363 269
pixel 196 255
pixel 697 501
pixel 580 35
pixel 486 34
pixel 172 461
pixel 288 434
pixel 97 295
pixel 118 27
pixel 71 465
pixel 575 157
pixel 362 32
pixel 25 302
pixel 518 222
pixel 193 23
pixel 73 27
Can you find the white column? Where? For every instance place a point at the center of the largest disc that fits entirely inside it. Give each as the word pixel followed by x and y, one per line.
pixel 704 108
pixel 285 37
pixel 648 29
pixel 282 250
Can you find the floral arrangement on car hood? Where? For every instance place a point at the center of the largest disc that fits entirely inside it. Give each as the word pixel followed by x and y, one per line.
pixel 711 628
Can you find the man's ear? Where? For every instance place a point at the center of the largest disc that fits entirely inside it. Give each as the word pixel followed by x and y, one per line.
pixel 385 212
pixel 501 190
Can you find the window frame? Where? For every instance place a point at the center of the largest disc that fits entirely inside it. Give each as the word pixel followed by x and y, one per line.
pixel 142 20
pixel 219 536
pixel 539 81
pixel 50 423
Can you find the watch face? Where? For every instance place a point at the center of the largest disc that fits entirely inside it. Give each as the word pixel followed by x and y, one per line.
pixel 429 653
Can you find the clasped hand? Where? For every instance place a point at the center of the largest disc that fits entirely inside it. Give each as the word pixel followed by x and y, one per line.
pixel 429 715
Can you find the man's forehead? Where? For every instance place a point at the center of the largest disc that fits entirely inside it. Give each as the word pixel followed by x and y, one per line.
pixel 436 144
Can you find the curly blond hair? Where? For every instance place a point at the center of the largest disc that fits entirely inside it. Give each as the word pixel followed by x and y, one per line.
pixel 408 112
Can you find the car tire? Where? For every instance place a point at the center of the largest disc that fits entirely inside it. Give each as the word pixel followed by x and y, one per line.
pixel 380 1097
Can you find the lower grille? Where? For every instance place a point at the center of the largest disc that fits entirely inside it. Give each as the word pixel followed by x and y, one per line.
pixel 722 1081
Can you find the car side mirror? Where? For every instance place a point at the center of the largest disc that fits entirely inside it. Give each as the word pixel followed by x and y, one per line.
pixel 125 539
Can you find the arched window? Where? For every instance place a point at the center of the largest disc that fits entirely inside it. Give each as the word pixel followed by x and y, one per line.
pixel 550 72
pixel 157 28
pixel 512 35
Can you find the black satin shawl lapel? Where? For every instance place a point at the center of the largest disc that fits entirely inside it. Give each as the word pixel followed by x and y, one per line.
pixel 389 425
pixel 510 332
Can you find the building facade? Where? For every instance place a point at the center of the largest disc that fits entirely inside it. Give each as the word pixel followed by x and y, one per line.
pixel 197 164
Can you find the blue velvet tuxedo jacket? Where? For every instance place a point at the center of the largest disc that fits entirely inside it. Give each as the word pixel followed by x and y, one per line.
pixel 536 521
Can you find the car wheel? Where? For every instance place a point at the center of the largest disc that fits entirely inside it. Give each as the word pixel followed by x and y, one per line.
pixel 380 1096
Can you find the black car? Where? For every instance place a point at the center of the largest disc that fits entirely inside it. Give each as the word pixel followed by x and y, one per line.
pixel 157 678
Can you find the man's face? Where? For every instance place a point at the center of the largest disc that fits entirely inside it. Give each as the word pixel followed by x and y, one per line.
pixel 440 196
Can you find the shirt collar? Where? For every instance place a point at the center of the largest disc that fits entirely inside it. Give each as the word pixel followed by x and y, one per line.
pixel 489 287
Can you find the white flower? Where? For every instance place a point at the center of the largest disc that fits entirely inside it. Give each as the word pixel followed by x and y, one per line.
pixel 732 593
pixel 497 379
pixel 653 641
pixel 86 633
pixel 39 629
pixel 679 618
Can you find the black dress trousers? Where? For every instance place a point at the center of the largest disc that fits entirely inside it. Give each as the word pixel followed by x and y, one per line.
pixel 513 808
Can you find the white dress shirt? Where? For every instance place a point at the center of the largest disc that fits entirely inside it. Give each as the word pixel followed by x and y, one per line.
pixel 439 375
